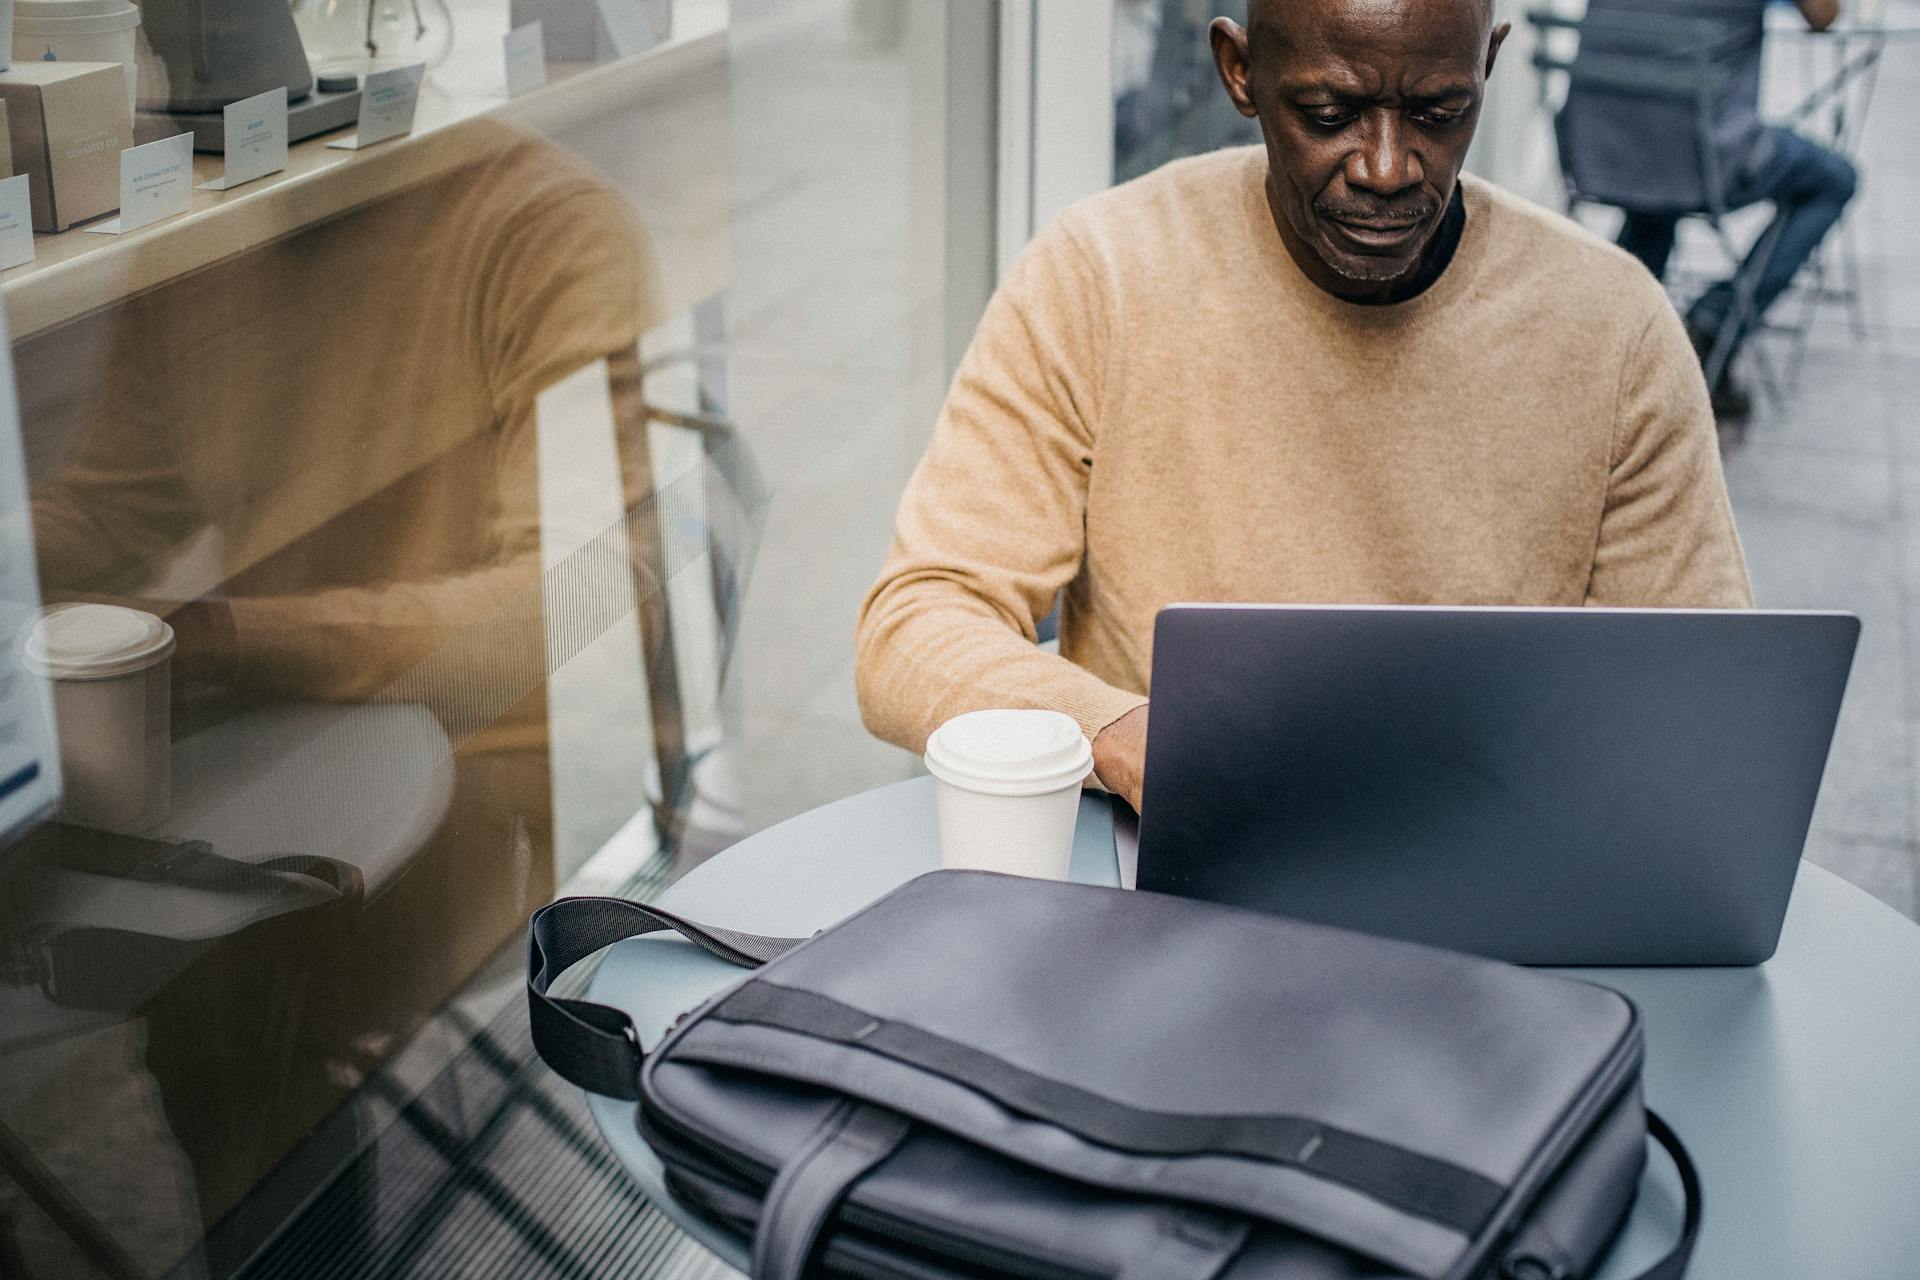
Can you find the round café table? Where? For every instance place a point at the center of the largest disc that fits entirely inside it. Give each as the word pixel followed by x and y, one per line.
pixel 1796 1083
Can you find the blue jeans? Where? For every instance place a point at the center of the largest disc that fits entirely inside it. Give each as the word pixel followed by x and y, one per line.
pixel 1810 184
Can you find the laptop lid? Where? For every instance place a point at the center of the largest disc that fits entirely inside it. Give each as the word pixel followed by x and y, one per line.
pixel 1547 786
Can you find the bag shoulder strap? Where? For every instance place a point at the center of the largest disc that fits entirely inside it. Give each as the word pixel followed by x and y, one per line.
pixel 1674 1265
pixel 593 1045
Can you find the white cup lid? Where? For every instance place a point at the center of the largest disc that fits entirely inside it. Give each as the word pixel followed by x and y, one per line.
pixel 46 18
pixel 70 8
pixel 96 642
pixel 1010 753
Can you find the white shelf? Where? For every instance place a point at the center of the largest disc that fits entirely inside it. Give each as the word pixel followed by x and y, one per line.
pixel 675 96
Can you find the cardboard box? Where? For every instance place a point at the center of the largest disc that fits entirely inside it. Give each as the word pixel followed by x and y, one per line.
pixel 68 122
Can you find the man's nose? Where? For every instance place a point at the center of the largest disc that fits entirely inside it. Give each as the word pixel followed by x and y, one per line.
pixel 1385 163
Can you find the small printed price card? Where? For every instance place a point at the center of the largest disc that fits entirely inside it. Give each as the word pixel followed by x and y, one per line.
pixel 156 182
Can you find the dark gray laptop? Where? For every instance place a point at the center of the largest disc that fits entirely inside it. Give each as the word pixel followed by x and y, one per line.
pixel 1548 786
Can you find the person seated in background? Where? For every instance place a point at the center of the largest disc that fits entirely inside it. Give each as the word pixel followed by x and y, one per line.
pixel 1808 184
pixel 1330 369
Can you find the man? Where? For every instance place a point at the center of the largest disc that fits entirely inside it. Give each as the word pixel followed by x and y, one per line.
pixel 1808 184
pixel 1326 369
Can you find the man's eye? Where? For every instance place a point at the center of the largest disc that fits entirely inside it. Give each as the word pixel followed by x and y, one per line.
pixel 1332 117
pixel 1437 116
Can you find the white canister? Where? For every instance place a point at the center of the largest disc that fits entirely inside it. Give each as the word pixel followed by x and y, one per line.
pixel 111 673
pixel 77 31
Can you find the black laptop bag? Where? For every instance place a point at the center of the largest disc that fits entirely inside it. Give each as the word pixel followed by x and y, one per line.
pixel 982 1075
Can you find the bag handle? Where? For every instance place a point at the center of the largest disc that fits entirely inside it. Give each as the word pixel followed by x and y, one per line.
pixel 593 1045
pixel 113 969
pixel 1530 1266
pixel 850 1142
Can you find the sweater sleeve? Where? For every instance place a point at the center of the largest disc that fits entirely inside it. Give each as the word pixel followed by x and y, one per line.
pixel 569 286
pixel 993 521
pixel 120 509
pixel 1666 534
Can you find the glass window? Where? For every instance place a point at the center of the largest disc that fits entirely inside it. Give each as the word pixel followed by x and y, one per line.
pixel 508 490
pixel 1167 99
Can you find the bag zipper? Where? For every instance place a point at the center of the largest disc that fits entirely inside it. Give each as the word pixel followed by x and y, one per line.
pixel 966 1253
pixel 758 1175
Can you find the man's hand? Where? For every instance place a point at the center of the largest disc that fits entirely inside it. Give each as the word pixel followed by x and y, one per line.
pixel 1120 756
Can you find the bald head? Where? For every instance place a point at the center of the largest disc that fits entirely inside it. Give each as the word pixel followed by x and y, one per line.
pixel 1366 108
pixel 1263 13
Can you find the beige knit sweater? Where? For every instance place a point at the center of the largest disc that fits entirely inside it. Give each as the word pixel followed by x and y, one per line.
pixel 1159 407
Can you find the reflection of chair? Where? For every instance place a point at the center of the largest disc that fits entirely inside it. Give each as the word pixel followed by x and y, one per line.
pixel 493 1148
pixel 729 546
pixel 1658 65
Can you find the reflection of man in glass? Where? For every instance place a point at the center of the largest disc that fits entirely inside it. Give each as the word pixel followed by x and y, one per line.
pixel 331 442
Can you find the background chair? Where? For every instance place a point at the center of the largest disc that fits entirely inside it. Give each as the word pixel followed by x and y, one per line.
pixel 1666 66
pixel 1834 113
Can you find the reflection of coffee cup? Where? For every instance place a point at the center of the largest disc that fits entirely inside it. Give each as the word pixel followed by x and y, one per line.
pixel 110 669
pixel 78 31
pixel 1008 790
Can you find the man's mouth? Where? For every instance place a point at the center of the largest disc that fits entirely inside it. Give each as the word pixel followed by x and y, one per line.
pixel 1376 235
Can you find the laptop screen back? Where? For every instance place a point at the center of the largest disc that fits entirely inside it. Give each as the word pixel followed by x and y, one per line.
pixel 1557 786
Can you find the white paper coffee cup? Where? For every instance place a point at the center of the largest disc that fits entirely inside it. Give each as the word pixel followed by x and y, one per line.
pixel 111 673
pixel 78 31
pixel 1008 790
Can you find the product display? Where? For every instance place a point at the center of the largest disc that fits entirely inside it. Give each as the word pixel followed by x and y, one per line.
pixel 68 124
pixel 78 31
pixel 200 56
pixel 353 37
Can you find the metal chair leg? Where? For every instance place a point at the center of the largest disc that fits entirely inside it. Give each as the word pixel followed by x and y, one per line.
pixel 1740 318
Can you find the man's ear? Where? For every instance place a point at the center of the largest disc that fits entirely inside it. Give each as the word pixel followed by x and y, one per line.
pixel 1229 40
pixel 1498 38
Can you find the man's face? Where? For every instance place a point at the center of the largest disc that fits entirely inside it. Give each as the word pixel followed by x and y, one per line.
pixel 1367 107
